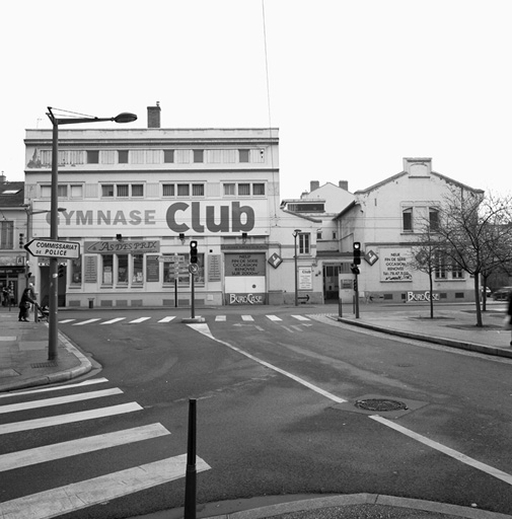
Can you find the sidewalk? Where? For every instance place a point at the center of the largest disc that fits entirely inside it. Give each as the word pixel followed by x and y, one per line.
pixel 24 363
pixel 24 355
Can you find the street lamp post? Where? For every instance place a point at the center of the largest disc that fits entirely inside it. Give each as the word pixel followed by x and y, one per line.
pixel 295 234
pixel 53 303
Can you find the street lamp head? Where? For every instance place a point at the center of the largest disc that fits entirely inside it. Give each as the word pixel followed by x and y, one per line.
pixel 125 117
pixel 296 232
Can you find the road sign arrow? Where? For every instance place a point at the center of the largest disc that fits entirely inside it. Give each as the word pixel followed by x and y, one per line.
pixel 48 248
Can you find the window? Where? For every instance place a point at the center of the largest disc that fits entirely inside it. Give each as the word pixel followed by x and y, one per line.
pixel 304 247
pixel 107 190
pixel 440 262
pixel 76 191
pixel 407 219
pixel 258 189
pixel 243 155
pixel 93 157
pixel 457 272
pixel 122 269
pixel 433 219
pixel 244 189
pixel 107 269
pixel 6 235
pixel 183 190
pixel 198 155
pixel 168 156
pixel 138 272
pixel 122 190
pixel 168 190
pixel 197 189
pixel 229 189
pixel 122 156
pixel 137 190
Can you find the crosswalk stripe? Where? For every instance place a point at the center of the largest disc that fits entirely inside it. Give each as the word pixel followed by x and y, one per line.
pixel 139 320
pixel 247 318
pixel 220 318
pixel 274 318
pixel 50 421
pixel 64 321
pixel 25 458
pixel 89 321
pixel 88 382
pixel 77 496
pixel 167 319
pixel 59 400
pixel 112 321
pixel 300 317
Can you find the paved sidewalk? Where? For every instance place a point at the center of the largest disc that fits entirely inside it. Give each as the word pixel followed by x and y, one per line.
pixel 24 354
pixel 24 363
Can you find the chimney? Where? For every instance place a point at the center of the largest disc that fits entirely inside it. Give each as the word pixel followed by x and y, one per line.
pixel 154 116
pixel 3 178
pixel 343 184
pixel 314 184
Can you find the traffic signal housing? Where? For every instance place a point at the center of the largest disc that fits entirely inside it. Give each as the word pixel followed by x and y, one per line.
pixel 21 241
pixel 357 253
pixel 193 251
pixel 61 270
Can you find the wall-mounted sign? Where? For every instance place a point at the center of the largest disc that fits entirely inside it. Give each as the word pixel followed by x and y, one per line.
pixel 122 247
pixel 90 269
pixel 214 273
pixel 395 265
pixel 275 260
pixel 244 264
pixel 305 278
pixel 53 248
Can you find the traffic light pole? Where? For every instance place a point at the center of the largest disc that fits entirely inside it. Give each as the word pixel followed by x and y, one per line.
pixel 356 295
pixel 192 295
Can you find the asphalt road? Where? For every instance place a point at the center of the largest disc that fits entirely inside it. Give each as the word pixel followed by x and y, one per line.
pixel 276 411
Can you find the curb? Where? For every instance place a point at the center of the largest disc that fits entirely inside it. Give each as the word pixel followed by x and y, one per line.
pixel 469 346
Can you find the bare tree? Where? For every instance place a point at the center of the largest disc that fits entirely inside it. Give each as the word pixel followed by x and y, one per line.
pixel 475 233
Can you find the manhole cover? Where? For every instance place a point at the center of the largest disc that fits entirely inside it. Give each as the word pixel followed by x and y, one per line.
pixel 380 404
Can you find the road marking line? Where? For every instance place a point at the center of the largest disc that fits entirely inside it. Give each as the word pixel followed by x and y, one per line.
pixel 221 318
pixel 300 317
pixel 88 382
pixel 77 496
pixel 64 321
pixel 139 320
pixel 247 318
pixel 112 321
pixel 89 321
pixel 56 451
pixel 503 476
pixel 167 319
pixel 50 421
pixel 205 330
pixel 274 318
pixel 59 400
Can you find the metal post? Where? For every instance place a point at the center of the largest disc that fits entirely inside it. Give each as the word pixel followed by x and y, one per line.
pixel 176 291
pixel 192 307
pixel 295 234
pixel 53 304
pixel 190 475
pixel 356 290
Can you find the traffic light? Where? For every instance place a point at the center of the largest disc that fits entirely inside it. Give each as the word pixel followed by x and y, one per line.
pixel 21 240
pixel 61 270
pixel 193 251
pixel 357 253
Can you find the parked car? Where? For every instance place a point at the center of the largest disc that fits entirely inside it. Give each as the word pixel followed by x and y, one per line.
pixel 501 294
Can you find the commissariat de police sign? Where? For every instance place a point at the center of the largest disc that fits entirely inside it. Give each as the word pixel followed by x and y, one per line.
pixel 53 248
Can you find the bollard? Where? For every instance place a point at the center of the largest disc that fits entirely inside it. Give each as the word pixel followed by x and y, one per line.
pixel 190 476
pixel 340 307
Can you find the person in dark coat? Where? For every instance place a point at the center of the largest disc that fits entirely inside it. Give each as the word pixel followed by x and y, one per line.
pixel 27 298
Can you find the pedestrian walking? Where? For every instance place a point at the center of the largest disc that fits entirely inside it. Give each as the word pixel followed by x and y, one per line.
pixel 27 298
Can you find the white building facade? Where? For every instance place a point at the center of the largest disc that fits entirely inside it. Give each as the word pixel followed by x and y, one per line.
pixel 135 198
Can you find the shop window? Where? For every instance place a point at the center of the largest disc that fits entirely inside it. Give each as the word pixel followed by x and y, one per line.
pixel 122 269
pixel 138 269
pixel 76 271
pixel 107 268
pixel 93 156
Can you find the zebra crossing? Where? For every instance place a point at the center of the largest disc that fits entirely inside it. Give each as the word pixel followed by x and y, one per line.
pixel 167 319
pixel 16 428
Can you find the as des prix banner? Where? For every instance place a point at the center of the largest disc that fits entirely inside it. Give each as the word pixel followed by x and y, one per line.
pixel 48 248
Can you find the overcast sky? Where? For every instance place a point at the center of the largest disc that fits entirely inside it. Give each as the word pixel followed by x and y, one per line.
pixel 354 86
